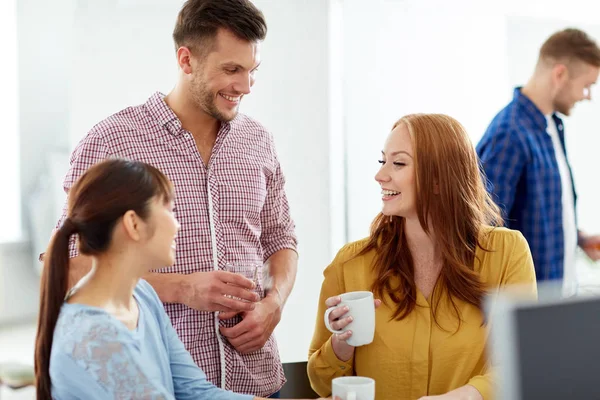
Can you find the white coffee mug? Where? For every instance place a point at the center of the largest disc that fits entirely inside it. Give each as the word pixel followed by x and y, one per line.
pixel 362 309
pixel 353 388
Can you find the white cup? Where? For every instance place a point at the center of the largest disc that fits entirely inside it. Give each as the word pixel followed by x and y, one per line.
pixel 353 388
pixel 362 309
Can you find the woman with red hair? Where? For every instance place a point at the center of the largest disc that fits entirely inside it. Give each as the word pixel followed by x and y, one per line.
pixel 434 252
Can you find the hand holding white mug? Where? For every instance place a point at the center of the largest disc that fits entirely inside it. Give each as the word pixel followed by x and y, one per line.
pixel 337 319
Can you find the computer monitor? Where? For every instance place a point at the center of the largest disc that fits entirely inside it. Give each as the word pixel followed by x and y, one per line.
pixel 549 349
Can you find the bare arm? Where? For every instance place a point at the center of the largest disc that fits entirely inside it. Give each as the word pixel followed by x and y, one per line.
pixel 282 266
pixel 590 244
pixel 171 288
pixel 205 291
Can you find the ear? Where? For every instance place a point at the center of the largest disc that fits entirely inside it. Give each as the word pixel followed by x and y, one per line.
pixel 436 188
pixel 132 225
pixel 560 73
pixel 184 59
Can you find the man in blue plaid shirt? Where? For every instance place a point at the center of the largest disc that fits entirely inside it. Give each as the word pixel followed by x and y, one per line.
pixel 524 157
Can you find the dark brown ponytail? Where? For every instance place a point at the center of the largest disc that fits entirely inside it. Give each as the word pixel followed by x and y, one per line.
pixel 54 283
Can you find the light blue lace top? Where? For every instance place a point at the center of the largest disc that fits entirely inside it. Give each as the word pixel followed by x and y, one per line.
pixel 94 356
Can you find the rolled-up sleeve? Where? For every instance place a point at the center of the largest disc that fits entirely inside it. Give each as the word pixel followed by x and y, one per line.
pixel 278 228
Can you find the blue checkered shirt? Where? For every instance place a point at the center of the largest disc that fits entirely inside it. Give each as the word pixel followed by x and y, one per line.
pixel 523 176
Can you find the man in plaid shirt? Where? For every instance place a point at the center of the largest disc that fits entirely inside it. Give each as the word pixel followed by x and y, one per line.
pixel 524 156
pixel 230 197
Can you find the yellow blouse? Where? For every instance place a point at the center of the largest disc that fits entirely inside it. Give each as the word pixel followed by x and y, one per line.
pixel 414 357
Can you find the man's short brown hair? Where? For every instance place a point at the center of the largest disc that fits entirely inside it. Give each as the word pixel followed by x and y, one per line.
pixel 571 45
pixel 199 20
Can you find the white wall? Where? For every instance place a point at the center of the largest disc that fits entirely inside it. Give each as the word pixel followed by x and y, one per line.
pixel 414 58
pixel 461 58
pixel 60 45
pixel 9 160
pixel 19 286
pixel 292 98
pixel 44 37
pixel 122 54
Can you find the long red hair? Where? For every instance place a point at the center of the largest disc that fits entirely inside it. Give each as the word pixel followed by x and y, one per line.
pixel 456 211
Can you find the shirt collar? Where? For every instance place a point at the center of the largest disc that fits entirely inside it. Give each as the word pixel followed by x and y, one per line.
pixel 528 107
pixel 162 113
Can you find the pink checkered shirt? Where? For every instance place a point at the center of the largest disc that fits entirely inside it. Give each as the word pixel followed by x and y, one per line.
pixel 235 211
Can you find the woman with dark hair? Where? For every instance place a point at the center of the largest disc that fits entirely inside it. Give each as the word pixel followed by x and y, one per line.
pixel 109 337
pixel 432 256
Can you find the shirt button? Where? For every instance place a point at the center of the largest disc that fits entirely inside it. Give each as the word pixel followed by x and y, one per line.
pixel 343 367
